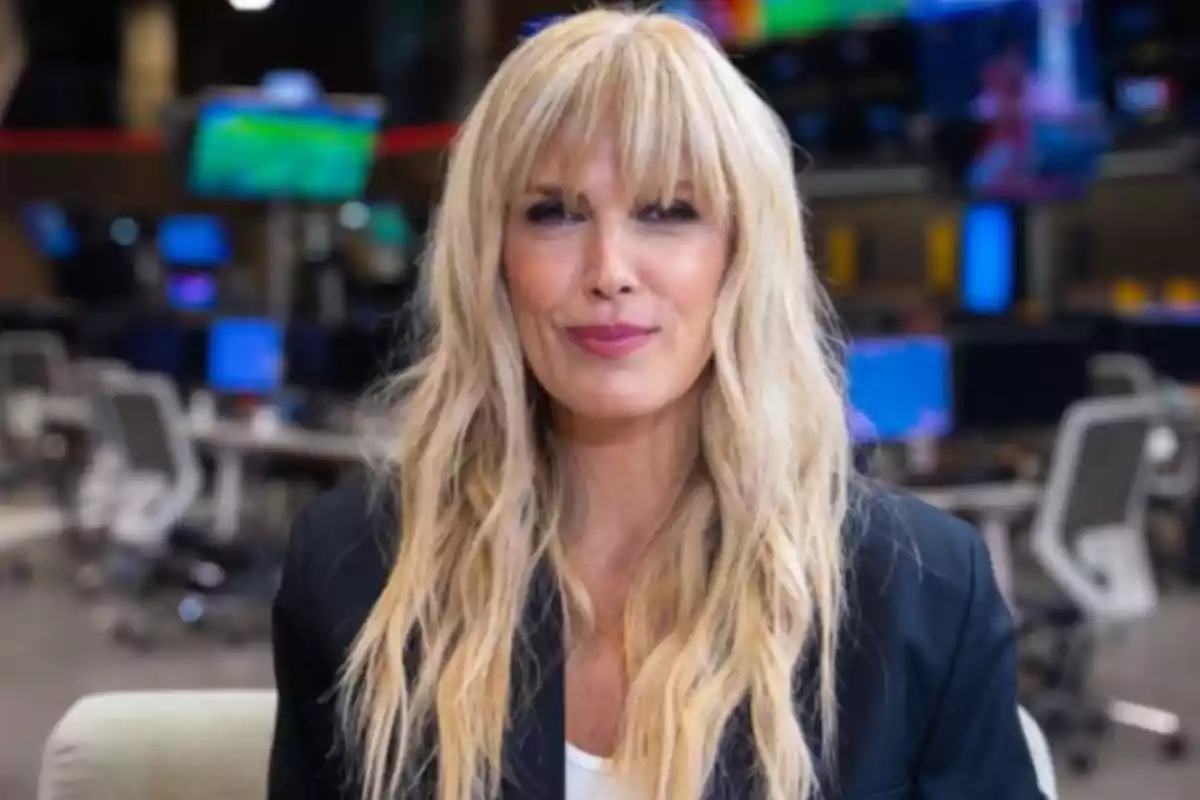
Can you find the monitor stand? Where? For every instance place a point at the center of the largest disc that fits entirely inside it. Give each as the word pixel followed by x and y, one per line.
pixel 920 456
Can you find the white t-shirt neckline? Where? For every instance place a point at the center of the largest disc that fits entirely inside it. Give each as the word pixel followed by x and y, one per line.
pixel 586 760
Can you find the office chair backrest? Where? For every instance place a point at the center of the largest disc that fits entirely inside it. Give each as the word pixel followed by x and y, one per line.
pixel 1120 375
pixel 1177 474
pixel 1088 534
pixel 150 425
pixel 33 365
pixel 33 361
pixel 156 449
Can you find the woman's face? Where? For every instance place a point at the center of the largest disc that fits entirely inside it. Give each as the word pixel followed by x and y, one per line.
pixel 613 295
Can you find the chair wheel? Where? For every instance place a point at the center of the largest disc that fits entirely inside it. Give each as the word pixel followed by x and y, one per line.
pixel 1175 747
pixel 1097 723
pixel 1081 763
pixel 18 572
pixel 134 635
pixel 236 637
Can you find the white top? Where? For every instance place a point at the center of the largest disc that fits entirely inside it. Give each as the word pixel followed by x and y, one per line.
pixel 590 777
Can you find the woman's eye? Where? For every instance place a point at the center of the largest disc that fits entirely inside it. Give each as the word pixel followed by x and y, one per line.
pixel 678 211
pixel 549 212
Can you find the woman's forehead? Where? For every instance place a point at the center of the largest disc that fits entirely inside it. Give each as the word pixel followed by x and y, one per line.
pixel 602 166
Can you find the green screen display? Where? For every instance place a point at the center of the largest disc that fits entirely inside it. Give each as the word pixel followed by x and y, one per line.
pixel 858 10
pixel 248 149
pixel 389 227
pixel 781 19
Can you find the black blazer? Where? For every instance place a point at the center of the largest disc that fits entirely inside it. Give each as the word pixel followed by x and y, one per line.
pixel 927 670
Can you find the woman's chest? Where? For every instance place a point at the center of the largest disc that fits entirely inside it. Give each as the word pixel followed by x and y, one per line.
pixel 594 700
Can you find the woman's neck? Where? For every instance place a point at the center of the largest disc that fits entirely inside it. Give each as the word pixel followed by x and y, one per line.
pixel 625 479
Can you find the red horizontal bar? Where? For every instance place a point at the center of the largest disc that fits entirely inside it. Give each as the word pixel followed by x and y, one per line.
pixel 394 141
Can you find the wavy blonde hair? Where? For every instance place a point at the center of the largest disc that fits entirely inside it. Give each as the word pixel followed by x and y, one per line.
pixel 746 583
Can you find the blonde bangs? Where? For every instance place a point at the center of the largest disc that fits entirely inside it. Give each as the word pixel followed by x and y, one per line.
pixel 635 90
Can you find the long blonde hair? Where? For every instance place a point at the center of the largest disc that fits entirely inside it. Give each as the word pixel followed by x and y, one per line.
pixel 747 582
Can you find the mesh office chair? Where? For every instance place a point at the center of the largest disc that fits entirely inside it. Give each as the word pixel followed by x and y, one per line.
pixel 33 366
pixel 1120 375
pixel 152 551
pixel 1175 450
pixel 92 506
pixel 1088 536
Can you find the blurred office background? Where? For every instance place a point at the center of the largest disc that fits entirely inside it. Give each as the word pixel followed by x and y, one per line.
pixel 210 212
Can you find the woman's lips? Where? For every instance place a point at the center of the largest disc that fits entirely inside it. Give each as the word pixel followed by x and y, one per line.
pixel 610 341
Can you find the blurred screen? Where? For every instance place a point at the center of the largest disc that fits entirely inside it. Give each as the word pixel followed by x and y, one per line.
pixel 992 368
pixel 729 21
pixel 308 356
pixel 52 233
pixel 193 240
pixel 934 9
pixel 249 148
pixel 192 292
pixel 899 388
pixel 245 356
pixel 155 346
pixel 389 226
pixel 988 259
pixel 800 83
pixel 1014 86
pixel 1142 62
pixel 1170 346
pixel 877 92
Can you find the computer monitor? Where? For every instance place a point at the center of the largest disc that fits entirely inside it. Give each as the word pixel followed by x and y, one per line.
pixel 991 268
pixel 1171 346
pixel 245 356
pixel 195 241
pixel 155 346
pixel 308 362
pixel 51 230
pixel 250 147
pixel 192 292
pixel 1009 376
pixel 899 389
pixel 1014 93
pixel 165 346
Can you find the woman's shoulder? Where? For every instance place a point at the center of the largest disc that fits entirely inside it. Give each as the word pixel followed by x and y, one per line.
pixel 927 665
pixel 340 552
pixel 921 591
pixel 897 543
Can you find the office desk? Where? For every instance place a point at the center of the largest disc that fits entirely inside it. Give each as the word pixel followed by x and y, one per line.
pixel 996 504
pixel 237 435
pixel 232 440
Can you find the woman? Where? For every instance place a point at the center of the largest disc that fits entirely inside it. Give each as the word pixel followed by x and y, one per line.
pixel 613 558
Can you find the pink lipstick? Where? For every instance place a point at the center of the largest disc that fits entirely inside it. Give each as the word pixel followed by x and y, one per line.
pixel 610 341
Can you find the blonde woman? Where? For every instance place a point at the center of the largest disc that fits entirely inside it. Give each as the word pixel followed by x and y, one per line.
pixel 617 555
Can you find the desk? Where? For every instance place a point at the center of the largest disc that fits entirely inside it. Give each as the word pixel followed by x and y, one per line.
pixel 232 440
pixel 236 435
pixel 996 504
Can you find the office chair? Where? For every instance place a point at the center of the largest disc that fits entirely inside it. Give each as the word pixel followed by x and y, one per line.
pixel 151 551
pixel 1088 537
pixel 1174 447
pixel 1121 374
pixel 92 507
pixel 33 366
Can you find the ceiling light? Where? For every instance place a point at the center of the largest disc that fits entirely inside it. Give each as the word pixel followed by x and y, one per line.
pixel 251 5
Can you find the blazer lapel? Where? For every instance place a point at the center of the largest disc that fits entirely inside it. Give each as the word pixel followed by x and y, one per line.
pixel 535 746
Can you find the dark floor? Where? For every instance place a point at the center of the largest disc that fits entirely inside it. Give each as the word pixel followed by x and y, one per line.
pixel 53 650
